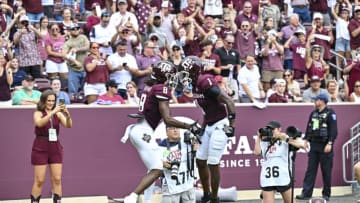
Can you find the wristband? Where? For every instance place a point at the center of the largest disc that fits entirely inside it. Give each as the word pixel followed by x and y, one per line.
pixel 330 143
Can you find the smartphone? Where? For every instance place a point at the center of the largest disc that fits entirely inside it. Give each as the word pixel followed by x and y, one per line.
pixel 61 101
pixel 124 64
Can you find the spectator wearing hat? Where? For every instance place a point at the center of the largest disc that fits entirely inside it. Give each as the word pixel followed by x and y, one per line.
pixel 75 51
pixel 354 30
pixel 297 45
pixel 285 33
pixel 321 133
pixel 145 62
pixel 210 61
pixel 92 19
pixel 27 95
pixel 342 42
pixel 315 64
pixel 281 94
pixel 314 89
pixel 122 17
pixel 250 86
pixel 320 35
pixel 272 53
pixel 167 19
pixel 156 33
pixel 29 56
pixel 102 34
pixel 6 80
pixel 111 96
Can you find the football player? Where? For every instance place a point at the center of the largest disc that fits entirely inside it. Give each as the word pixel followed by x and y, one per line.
pixel 154 106
pixel 218 123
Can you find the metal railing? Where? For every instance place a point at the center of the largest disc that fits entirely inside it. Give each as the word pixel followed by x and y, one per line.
pixel 351 150
pixel 337 66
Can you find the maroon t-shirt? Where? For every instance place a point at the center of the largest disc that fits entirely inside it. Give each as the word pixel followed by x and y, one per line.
pixel 354 41
pixel 253 18
pixel 91 21
pixel 354 75
pixel 88 4
pixel 254 4
pixel 44 131
pixel 325 44
pixel 318 6
pixel 33 6
pixel 188 12
pixel 316 68
pixel 276 98
pixel 245 43
pixel 100 74
pixel 152 95
pixel 299 61
pixel 214 110
pixel 224 31
pixel 185 99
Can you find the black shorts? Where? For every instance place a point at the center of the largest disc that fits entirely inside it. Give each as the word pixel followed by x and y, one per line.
pixel 277 188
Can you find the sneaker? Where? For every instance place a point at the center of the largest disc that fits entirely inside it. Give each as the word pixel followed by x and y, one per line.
pixel 302 197
pixel 130 199
pixel 206 198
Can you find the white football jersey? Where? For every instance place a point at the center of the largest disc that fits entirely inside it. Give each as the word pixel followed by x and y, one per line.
pixel 184 181
pixel 275 169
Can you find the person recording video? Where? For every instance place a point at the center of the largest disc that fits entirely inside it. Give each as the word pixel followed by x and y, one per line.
pixel 178 161
pixel 276 148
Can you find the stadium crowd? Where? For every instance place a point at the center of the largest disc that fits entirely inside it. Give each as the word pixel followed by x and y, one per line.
pixel 102 51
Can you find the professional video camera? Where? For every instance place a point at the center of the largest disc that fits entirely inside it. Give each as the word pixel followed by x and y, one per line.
pixel 266 134
pixel 190 138
pixel 293 132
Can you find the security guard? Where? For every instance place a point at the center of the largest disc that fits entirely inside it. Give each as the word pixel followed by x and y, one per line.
pixel 321 132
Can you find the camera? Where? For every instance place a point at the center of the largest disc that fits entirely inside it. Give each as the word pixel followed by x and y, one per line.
pixel 174 169
pixel 190 138
pixel 266 134
pixel 293 132
pixel 124 64
pixel 61 101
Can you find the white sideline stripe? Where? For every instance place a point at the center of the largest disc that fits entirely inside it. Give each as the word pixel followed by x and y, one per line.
pixel 96 199
pixel 242 195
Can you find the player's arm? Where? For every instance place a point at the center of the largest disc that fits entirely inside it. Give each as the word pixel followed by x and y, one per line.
pixel 164 109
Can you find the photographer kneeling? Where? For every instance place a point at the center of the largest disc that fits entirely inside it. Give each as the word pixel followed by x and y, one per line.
pixel 275 147
pixel 178 161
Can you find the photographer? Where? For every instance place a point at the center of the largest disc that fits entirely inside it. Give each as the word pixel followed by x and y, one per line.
pixel 47 149
pixel 275 148
pixel 178 155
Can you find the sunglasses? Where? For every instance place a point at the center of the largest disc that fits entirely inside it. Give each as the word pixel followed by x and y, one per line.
pixel 230 42
pixel 125 32
pixel 226 20
pixel 105 15
pixel 75 29
pixel 317 50
pixel 154 39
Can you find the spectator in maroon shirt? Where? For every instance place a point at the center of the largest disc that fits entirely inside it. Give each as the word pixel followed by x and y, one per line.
pixel 92 19
pixel 210 61
pixel 298 50
pixel 246 14
pixel 319 29
pixel 254 3
pixel 281 95
pixel 353 69
pixel 89 4
pixel 354 29
pixel 245 40
pixel 193 12
pixel 315 64
pixel 229 27
pixel 111 96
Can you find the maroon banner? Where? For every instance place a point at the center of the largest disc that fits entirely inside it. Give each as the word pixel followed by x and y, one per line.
pixel 97 163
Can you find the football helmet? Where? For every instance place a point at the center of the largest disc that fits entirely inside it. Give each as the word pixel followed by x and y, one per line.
pixel 164 72
pixel 190 68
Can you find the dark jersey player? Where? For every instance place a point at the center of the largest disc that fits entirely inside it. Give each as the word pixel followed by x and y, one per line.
pixel 218 123
pixel 154 106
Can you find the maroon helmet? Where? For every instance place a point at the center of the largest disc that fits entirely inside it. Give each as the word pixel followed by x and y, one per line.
pixel 190 68
pixel 164 72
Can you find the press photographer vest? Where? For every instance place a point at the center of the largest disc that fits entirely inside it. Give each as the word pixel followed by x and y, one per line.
pixel 318 126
